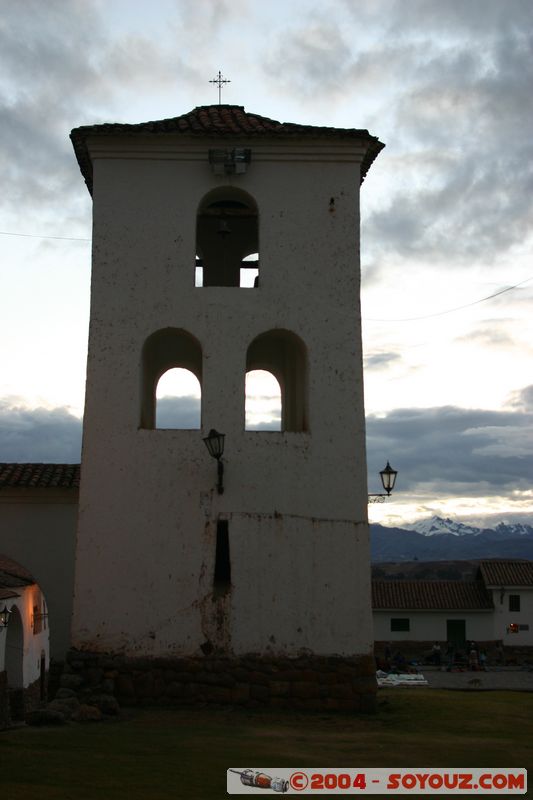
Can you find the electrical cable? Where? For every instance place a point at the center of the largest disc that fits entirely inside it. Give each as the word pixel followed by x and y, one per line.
pixel 38 236
pixel 451 310
pixel 365 319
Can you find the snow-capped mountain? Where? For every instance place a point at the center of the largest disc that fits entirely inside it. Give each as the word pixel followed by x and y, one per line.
pixel 436 526
pixel 514 530
pixel 437 539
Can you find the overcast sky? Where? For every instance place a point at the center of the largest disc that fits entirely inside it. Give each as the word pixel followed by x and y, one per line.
pixel 446 209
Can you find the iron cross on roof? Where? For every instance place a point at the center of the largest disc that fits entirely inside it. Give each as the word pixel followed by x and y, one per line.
pixel 219 80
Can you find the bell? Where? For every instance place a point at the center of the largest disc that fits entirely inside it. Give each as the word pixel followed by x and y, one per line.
pixel 223 227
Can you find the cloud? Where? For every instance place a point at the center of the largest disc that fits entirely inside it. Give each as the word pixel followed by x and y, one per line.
pixel 205 19
pixel 378 361
pixel 271 425
pixel 447 88
pixel 47 76
pixel 451 451
pixel 54 435
pixel 62 66
pixel 179 412
pixel 508 441
pixel 456 18
pixel 447 85
pixel 470 104
pixel 39 434
pixel 314 58
pixel 440 453
pixel 522 399
pixel 490 334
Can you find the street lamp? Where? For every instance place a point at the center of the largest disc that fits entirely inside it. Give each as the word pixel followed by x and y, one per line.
pixel 215 447
pixel 388 479
pixel 4 617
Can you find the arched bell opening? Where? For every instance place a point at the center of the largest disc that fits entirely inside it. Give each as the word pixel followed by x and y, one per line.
pixel 165 351
pixel 284 355
pixel 227 239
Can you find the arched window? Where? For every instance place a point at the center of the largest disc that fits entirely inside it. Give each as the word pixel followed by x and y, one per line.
pixel 227 239
pixel 166 355
pixel 263 401
pixel 284 355
pixel 178 400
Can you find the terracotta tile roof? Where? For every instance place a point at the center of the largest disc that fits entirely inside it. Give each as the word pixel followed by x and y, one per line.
pixel 219 121
pixel 14 574
pixel 507 573
pixel 40 476
pixel 5 594
pixel 430 595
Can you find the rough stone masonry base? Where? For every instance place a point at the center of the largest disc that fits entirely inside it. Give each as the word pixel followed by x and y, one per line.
pixel 303 683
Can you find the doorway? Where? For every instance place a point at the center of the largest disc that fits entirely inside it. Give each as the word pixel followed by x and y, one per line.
pixel 456 632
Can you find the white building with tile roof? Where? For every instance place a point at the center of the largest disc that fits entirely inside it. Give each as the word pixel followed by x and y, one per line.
pixel 511 586
pixel 24 642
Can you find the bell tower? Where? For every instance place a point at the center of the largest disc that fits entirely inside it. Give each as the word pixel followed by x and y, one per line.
pixel 225 242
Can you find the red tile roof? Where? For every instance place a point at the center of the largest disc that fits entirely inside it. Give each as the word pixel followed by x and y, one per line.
pixel 507 573
pixel 220 121
pixel 5 594
pixel 430 595
pixel 40 476
pixel 14 574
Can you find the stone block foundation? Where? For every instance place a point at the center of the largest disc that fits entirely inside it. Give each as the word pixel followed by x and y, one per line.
pixel 305 683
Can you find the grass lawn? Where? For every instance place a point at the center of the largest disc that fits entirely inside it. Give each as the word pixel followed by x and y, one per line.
pixel 157 754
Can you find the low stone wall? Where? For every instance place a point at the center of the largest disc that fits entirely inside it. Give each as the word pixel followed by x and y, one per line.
pixel 306 683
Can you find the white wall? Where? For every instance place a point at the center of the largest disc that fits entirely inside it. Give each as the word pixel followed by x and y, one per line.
pixel 33 644
pixel 503 617
pixel 147 501
pixel 428 626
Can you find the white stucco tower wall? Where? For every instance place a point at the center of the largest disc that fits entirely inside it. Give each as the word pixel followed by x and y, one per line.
pixel 294 507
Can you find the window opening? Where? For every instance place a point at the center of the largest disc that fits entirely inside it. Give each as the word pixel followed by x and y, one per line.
pixel 284 355
pixel 399 624
pixel 226 239
pixel 174 351
pixel 456 631
pixel 514 602
pixel 222 575
pixel 263 401
pixel 178 400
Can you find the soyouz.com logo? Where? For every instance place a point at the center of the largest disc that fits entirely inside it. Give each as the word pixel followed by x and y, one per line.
pixel 394 781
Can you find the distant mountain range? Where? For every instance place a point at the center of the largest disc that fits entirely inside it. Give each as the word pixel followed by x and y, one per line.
pixel 438 539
